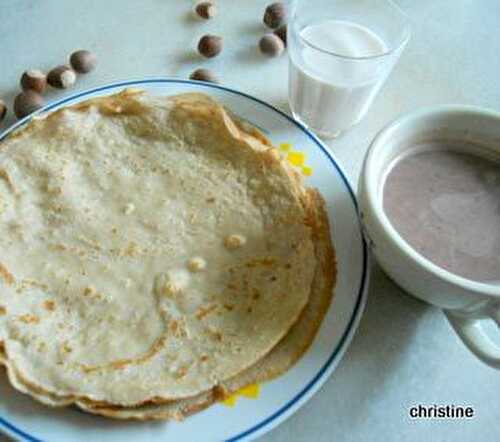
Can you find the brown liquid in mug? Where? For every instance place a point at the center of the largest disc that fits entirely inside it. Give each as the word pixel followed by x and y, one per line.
pixel 446 205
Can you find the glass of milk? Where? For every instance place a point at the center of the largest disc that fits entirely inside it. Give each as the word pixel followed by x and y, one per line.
pixel 341 52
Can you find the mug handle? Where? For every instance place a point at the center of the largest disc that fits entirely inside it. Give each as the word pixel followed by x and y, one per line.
pixel 468 327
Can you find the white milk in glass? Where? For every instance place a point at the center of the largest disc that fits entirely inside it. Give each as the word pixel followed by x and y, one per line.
pixel 335 73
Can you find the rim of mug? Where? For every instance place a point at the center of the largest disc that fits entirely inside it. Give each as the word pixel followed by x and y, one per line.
pixel 400 43
pixel 372 173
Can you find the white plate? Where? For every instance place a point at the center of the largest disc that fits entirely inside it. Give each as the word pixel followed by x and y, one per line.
pixel 24 419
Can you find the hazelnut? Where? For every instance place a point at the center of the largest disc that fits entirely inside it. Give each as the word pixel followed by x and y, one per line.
pixel 275 15
pixel 61 77
pixel 281 33
pixel 204 75
pixel 210 45
pixel 3 110
pixel 83 61
pixel 206 10
pixel 27 102
pixel 271 45
pixel 35 80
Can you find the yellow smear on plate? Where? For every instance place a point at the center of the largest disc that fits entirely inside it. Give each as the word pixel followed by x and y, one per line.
pixel 296 158
pixel 307 170
pixel 251 391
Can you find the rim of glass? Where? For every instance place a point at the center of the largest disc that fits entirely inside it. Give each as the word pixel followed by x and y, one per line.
pixel 400 43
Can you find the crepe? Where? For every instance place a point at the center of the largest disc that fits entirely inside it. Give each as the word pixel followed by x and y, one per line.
pixel 280 359
pixel 155 295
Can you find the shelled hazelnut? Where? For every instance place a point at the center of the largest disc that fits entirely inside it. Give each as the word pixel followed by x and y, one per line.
pixel 210 45
pixel 27 102
pixel 204 75
pixel 83 61
pixel 3 110
pixel 206 10
pixel 271 45
pixel 281 33
pixel 61 77
pixel 275 15
pixel 34 80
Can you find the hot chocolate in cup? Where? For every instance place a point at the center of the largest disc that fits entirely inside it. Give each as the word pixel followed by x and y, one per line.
pixel 430 206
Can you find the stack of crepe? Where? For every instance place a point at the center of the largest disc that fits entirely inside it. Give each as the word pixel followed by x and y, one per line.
pixel 157 255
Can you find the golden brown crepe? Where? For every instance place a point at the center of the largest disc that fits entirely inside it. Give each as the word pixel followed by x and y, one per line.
pixel 156 255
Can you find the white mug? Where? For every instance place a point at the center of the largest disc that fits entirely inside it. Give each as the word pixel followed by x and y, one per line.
pixel 465 302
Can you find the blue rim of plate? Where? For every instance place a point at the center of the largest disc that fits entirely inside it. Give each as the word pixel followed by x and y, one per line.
pixel 363 289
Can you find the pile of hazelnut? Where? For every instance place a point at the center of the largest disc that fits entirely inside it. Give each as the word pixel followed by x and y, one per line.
pixel 272 44
pixel 34 83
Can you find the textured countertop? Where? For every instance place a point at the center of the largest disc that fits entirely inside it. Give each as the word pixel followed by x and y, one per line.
pixel 404 352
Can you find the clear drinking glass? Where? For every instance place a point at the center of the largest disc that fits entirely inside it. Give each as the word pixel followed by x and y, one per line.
pixel 340 53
